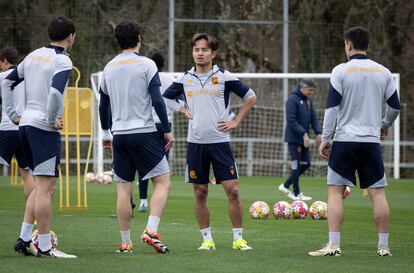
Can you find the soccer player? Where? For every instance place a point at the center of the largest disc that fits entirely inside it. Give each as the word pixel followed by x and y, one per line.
pixel 356 95
pixel 207 88
pixel 9 132
pixel 45 72
pixel 299 115
pixel 10 145
pixel 172 105
pixel 130 86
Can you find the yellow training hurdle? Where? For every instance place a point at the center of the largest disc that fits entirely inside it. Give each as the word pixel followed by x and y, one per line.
pixel 15 180
pixel 78 122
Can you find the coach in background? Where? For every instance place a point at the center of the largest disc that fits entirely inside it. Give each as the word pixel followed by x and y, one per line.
pixel 299 115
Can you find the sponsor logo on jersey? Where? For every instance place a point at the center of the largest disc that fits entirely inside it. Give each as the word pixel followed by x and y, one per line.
pixel 40 59
pixel 114 64
pixel 191 93
pixel 364 69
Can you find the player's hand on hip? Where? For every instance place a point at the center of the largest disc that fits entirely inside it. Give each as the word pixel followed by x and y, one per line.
pixel 184 111
pixel 59 123
pixel 384 133
pixel 325 150
pixel 306 140
pixel 227 125
pixel 169 137
pixel 16 120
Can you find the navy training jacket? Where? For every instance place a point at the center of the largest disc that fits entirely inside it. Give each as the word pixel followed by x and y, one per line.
pixel 299 115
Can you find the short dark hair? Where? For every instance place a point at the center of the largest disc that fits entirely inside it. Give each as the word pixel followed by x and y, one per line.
pixel 158 59
pixel 358 36
pixel 10 54
pixel 60 28
pixel 308 83
pixel 211 40
pixel 127 35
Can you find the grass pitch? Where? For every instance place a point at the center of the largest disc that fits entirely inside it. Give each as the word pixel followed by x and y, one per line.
pixel 279 246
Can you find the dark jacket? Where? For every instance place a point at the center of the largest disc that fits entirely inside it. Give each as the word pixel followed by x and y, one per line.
pixel 299 114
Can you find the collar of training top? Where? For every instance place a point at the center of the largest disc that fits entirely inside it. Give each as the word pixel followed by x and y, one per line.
pixel 358 57
pixel 214 69
pixel 58 49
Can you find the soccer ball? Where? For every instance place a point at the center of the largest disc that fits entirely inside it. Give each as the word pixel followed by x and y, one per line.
pixel 100 178
pixel 90 177
pixel 107 179
pixel 318 210
pixel 282 210
pixel 299 210
pixel 259 210
pixel 35 239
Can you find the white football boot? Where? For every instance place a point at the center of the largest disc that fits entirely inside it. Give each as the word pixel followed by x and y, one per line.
pixel 383 251
pixel 328 250
pixel 283 189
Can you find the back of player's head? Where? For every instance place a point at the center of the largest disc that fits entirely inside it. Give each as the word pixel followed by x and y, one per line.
pixel 158 59
pixel 211 40
pixel 358 36
pixel 127 34
pixel 60 28
pixel 10 54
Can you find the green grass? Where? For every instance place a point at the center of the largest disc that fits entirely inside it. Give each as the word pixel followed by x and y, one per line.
pixel 279 246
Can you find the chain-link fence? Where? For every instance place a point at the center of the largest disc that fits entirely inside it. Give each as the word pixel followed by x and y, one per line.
pixel 315 36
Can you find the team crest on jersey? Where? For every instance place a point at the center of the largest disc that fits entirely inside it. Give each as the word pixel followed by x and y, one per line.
pixel 193 174
pixel 232 170
pixel 301 102
pixel 190 93
pixel 190 82
pixel 214 80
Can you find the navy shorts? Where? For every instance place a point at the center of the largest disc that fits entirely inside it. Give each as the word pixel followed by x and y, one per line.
pixel 199 158
pixel 140 152
pixel 299 155
pixel 9 146
pixel 161 132
pixel 347 158
pixel 42 150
